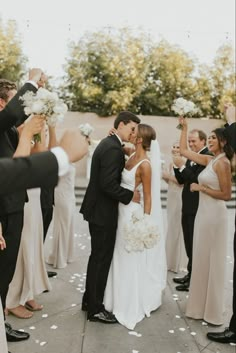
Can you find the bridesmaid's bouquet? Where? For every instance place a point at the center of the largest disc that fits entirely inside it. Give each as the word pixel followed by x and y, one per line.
pixel 183 107
pixel 141 232
pixel 86 129
pixel 45 103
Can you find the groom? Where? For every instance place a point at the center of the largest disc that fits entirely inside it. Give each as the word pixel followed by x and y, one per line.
pixel 100 209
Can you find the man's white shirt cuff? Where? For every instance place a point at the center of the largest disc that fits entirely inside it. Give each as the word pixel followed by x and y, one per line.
pixel 182 168
pixel 62 159
pixel 33 83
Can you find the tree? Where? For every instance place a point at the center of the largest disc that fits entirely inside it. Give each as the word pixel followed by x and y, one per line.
pixel 12 61
pixel 106 71
pixel 169 76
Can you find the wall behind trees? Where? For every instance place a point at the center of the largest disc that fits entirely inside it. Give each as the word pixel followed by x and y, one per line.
pixel 165 127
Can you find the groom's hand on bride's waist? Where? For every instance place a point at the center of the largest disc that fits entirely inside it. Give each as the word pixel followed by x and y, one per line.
pixel 136 196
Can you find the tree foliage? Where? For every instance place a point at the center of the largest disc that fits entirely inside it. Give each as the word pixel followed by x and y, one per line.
pixel 117 70
pixel 12 60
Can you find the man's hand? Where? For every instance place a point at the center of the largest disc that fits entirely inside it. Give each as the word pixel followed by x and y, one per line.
pixel 37 76
pixel 230 114
pixel 136 196
pixel 2 240
pixel 74 144
pixel 33 126
pixel 178 161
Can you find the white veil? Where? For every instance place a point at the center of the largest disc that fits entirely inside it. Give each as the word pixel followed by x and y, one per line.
pixel 156 211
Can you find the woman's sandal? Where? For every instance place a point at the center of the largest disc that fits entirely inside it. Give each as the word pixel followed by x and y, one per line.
pixel 20 311
pixel 33 306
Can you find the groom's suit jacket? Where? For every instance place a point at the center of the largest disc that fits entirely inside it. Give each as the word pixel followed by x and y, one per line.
pixel 188 176
pixel 38 170
pixel 100 204
pixel 12 114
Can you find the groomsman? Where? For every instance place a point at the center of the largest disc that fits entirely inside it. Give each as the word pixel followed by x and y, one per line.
pixel 12 205
pixel 229 334
pixel 187 174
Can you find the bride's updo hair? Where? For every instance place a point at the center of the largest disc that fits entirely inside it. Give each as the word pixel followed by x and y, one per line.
pixel 148 134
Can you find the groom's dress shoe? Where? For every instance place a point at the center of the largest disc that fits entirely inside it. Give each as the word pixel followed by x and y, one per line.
pixel 183 287
pixel 51 274
pixel 182 280
pixel 15 335
pixel 84 306
pixel 103 316
pixel 226 336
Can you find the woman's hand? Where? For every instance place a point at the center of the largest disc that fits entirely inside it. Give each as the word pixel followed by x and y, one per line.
pixel 2 240
pixel 112 131
pixel 195 187
pixel 183 122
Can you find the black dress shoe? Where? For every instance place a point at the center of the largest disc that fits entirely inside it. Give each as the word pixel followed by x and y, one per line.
pixel 51 274
pixel 182 280
pixel 15 335
pixel 183 287
pixel 84 306
pixel 103 316
pixel 226 336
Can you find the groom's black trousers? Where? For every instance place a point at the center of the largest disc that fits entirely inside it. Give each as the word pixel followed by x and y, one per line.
pixel 102 247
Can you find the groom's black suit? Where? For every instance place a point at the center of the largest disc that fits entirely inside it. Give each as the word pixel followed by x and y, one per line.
pixel 100 209
pixel 12 204
pixel 190 202
pixel 231 132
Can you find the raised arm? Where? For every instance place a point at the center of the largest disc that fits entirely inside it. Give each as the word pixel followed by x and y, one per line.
pixel 193 156
pixel 30 128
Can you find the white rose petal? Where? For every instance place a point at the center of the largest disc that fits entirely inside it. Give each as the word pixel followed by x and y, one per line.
pixel 43 343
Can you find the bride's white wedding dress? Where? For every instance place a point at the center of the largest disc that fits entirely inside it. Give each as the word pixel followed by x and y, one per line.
pixel 136 279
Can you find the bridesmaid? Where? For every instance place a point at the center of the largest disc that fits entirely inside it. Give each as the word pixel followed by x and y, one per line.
pixel 30 278
pixel 175 250
pixel 62 251
pixel 206 292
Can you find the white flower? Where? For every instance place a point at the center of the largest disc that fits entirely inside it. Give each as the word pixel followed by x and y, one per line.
pixel 86 129
pixel 46 103
pixel 37 107
pixel 141 232
pixel 183 107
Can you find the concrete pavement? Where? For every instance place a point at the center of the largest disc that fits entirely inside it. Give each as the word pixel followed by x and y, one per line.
pixel 62 327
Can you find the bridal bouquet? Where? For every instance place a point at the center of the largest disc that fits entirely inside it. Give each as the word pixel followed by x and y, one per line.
pixel 184 108
pixel 46 103
pixel 140 233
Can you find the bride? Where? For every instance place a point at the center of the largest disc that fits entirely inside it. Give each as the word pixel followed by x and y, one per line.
pixel 137 278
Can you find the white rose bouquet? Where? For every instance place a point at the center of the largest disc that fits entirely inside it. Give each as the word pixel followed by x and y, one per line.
pixel 184 108
pixel 86 129
pixel 140 233
pixel 44 102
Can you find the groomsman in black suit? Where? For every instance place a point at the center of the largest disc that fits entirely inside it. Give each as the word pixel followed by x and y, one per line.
pixel 229 334
pixel 38 170
pixel 100 209
pixel 187 174
pixel 12 205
